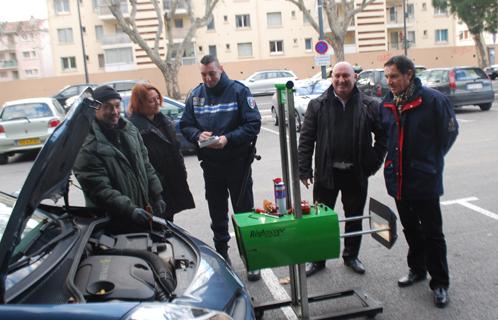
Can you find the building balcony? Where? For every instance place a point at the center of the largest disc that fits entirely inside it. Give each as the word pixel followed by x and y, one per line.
pixel 115 40
pixel 8 64
pixel 181 7
pixel 7 46
pixel 104 13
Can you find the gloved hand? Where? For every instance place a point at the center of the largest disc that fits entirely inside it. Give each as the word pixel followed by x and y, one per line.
pixel 140 216
pixel 159 207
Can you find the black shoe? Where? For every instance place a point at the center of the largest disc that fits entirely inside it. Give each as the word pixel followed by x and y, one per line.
pixel 356 265
pixel 222 249
pixel 411 278
pixel 314 267
pixel 253 275
pixel 441 297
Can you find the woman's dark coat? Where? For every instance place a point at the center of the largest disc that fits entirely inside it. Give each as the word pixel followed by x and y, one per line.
pixel 165 156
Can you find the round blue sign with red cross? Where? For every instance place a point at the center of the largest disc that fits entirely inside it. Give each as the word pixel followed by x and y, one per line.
pixel 321 47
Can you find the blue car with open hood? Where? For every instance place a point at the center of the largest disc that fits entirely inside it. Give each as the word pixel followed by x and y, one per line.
pixel 68 262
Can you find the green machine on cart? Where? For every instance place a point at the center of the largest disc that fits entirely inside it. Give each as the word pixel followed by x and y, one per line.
pixel 267 241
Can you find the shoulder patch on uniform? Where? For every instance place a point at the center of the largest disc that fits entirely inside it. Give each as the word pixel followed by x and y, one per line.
pixel 251 102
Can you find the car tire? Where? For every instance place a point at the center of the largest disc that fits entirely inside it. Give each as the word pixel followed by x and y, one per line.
pixel 274 116
pixel 3 159
pixel 485 106
pixel 298 122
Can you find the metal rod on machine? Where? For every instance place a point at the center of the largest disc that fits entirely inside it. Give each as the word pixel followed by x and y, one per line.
pixel 296 195
pixel 354 218
pixel 359 233
pixel 285 176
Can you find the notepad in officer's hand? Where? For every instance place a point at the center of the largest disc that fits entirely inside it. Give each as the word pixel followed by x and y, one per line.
pixel 209 141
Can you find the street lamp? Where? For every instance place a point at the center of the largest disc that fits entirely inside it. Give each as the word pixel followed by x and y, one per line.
pixel 82 42
pixel 320 26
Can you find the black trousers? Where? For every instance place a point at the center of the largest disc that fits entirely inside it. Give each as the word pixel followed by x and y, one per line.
pixel 220 182
pixel 423 227
pixel 353 197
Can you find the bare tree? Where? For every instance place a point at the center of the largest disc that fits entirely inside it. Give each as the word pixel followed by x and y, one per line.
pixel 339 16
pixel 172 61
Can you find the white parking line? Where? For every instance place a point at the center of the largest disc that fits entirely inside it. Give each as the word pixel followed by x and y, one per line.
pixel 276 290
pixel 465 202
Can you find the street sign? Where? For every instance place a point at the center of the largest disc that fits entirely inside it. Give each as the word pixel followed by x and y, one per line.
pixel 321 47
pixel 323 60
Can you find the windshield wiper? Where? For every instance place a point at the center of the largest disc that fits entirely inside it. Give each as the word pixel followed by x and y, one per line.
pixel 26 260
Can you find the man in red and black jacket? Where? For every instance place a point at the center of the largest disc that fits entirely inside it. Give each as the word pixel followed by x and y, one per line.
pixel 421 128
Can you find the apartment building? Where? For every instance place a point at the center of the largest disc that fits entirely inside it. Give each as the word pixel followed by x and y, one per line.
pixel 239 30
pixel 25 50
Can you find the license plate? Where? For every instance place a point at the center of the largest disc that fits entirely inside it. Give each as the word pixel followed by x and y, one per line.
pixel 27 142
pixel 474 86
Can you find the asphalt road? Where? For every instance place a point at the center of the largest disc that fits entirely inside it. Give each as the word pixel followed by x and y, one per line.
pixel 470 213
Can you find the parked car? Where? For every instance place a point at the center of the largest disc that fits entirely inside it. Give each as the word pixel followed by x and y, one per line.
pixel 69 262
pixel 492 71
pixel 26 124
pixel 72 91
pixel 263 82
pixel 123 85
pixel 171 108
pixel 462 85
pixel 372 82
pixel 419 69
pixel 305 91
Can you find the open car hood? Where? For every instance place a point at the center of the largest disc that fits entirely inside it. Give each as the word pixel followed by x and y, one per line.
pixel 48 177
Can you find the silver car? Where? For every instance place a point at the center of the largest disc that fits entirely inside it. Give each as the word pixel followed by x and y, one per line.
pixel 26 124
pixel 263 82
pixel 305 90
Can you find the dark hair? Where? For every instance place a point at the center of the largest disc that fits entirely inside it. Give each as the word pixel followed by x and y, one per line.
pixel 139 95
pixel 402 63
pixel 207 59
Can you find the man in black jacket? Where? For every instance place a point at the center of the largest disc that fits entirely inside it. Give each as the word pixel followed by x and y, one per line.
pixel 340 123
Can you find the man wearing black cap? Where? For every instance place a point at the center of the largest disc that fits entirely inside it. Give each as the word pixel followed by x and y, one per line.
pixel 113 167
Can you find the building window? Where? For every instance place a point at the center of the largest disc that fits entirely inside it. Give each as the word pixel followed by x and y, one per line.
pixel 308 44
pixel 441 35
pixel 101 59
pixel 99 33
pixel 225 18
pixel 3 74
pixel 118 56
pixel 410 11
pixel 244 49
pixel 65 35
pixel 293 14
pixel 393 14
pixel 212 51
pixel 33 54
pixel 424 6
pixel 276 47
pixel 68 63
pixel 61 6
pixel 410 37
pixel 179 23
pixel 227 46
pixel 440 11
pixel 31 72
pixel 210 25
pixel 242 21
pixel 26 55
pixel 305 19
pixel 274 19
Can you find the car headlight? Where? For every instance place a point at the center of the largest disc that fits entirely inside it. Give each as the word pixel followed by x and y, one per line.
pixel 163 311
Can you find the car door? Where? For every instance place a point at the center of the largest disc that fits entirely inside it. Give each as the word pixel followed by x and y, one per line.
pixel 257 83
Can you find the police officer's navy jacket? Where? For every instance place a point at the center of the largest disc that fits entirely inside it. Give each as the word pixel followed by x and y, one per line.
pixel 227 109
pixel 419 136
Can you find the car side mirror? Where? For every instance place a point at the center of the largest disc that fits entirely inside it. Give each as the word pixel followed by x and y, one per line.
pixel 251 80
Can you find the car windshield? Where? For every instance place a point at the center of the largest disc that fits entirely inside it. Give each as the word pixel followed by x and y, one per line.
pixel 27 110
pixel 312 89
pixel 469 74
pixel 35 236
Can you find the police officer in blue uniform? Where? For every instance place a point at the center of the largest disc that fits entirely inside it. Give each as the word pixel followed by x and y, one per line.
pixel 223 112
